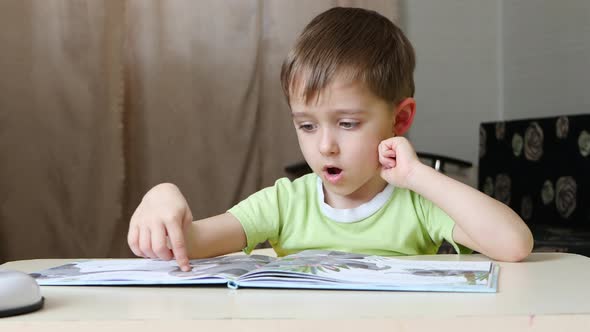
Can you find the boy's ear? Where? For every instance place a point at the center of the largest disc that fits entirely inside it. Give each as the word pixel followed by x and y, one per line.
pixel 404 116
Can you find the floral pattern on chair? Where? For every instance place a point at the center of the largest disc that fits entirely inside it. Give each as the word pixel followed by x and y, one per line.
pixel 541 169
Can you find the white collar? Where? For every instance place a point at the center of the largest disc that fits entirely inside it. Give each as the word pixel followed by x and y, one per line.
pixel 354 214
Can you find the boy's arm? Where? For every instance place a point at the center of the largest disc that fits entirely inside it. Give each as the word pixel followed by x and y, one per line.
pixel 214 236
pixel 481 222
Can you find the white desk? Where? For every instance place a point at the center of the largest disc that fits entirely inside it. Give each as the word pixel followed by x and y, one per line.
pixel 547 292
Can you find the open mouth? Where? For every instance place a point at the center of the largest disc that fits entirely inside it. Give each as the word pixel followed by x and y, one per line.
pixel 333 174
pixel 333 170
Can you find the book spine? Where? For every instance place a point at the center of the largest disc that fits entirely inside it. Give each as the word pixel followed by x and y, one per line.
pixel 232 284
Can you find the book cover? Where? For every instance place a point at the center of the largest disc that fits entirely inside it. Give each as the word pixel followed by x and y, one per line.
pixel 310 269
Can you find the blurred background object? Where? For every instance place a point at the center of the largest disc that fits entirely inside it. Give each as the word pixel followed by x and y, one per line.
pixel 540 167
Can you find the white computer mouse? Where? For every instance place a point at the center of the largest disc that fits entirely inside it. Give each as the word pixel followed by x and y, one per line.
pixel 19 293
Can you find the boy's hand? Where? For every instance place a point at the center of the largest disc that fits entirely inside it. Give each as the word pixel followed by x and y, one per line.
pixel 398 161
pixel 163 212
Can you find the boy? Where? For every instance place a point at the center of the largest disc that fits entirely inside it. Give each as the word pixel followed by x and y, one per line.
pixel 349 84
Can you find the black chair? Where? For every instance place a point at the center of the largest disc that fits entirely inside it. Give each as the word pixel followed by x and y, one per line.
pixel 541 168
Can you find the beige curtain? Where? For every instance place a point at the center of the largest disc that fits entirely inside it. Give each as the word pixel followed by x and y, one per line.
pixel 101 100
pixel 61 169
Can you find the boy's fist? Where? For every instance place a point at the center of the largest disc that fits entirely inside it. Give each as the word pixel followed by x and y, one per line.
pixel 398 160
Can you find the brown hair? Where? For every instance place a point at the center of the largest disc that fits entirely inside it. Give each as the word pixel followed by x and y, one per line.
pixel 354 44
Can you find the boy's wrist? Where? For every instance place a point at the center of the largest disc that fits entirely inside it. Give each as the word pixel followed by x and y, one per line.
pixel 419 176
pixel 189 238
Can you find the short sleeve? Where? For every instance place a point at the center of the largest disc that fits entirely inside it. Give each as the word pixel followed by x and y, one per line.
pixel 440 225
pixel 259 216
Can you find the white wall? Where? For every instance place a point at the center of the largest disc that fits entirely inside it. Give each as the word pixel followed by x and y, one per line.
pixel 457 77
pixel 488 60
pixel 546 58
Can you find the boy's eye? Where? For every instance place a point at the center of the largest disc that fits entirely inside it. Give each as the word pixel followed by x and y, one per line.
pixel 306 127
pixel 348 124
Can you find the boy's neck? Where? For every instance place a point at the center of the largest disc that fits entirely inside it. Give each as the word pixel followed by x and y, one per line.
pixel 362 195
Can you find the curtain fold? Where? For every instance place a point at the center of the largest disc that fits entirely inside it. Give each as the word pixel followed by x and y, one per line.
pixel 60 134
pixel 193 92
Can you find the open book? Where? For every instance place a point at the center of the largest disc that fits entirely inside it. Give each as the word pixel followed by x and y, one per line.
pixel 310 269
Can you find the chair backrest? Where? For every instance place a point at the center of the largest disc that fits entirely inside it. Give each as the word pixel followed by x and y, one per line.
pixel 541 169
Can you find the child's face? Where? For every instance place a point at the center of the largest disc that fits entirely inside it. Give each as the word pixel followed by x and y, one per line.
pixel 339 134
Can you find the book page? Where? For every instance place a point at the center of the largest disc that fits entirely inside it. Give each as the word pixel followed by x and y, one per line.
pixel 149 271
pixel 338 267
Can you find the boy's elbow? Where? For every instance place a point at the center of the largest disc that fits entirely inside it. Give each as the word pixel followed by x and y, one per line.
pixel 519 255
pixel 521 249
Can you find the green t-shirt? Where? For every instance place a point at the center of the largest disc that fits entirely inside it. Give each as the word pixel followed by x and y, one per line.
pixel 290 216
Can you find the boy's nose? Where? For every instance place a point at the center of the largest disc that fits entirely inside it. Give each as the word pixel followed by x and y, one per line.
pixel 328 145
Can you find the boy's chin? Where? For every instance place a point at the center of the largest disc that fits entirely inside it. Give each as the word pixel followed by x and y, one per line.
pixel 339 189
pixel 346 188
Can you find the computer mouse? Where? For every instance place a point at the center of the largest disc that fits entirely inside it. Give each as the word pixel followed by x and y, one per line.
pixel 19 293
